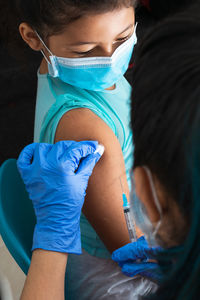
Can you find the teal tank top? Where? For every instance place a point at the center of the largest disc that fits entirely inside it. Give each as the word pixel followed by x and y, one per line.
pixel 55 98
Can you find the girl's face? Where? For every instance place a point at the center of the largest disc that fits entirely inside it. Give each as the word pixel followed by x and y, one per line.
pixel 92 35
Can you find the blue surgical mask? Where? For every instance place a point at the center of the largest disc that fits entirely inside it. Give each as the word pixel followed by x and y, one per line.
pixel 92 73
pixel 140 215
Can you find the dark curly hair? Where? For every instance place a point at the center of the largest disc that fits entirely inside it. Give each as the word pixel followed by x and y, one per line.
pixel 166 126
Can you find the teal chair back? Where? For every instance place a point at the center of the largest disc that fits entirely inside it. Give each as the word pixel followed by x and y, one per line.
pixel 17 218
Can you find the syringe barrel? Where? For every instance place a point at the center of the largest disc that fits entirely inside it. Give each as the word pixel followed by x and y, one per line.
pixel 130 225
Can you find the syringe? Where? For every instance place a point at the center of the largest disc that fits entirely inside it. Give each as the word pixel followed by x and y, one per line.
pixel 129 221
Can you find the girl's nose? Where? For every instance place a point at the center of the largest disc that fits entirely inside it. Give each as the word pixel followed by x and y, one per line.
pixel 108 49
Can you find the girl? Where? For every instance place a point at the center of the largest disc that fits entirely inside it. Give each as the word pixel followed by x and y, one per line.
pixel 82 95
pixel 167 152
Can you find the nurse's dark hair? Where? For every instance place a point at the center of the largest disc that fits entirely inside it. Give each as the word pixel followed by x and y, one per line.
pixel 166 133
pixel 49 17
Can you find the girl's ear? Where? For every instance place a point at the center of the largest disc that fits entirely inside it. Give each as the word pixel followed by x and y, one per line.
pixel 145 194
pixel 30 37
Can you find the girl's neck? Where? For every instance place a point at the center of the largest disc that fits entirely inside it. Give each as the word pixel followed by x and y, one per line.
pixel 43 67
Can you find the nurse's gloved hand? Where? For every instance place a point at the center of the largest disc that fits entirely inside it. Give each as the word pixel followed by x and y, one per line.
pixel 134 259
pixel 56 177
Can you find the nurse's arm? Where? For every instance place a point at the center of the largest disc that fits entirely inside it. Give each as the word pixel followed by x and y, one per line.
pixel 103 203
pixel 46 276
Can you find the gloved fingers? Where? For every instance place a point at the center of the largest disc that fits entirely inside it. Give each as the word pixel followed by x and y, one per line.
pixel 131 251
pixel 59 150
pixel 41 155
pixel 150 270
pixel 78 151
pixel 26 156
pixel 87 164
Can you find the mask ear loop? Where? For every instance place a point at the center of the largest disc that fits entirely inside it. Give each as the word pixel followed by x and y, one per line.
pixel 52 64
pixel 135 32
pixel 47 60
pixel 156 201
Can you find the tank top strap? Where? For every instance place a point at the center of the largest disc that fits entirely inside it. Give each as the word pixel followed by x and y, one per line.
pixel 73 99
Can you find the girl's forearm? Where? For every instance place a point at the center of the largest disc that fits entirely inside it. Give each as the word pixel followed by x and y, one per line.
pixel 46 276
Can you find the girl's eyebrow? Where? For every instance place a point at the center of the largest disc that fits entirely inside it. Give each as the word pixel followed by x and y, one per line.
pixel 85 43
pixel 128 27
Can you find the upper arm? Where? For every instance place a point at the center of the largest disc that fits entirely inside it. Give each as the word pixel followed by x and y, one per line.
pixel 103 203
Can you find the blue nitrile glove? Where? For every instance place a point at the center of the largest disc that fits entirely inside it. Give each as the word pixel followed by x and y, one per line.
pixel 133 259
pixel 56 181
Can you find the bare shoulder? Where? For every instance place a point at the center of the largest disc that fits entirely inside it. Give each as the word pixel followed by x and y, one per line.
pixel 82 124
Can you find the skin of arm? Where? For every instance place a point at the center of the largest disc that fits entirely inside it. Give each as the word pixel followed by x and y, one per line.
pixel 103 203
pixel 46 276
